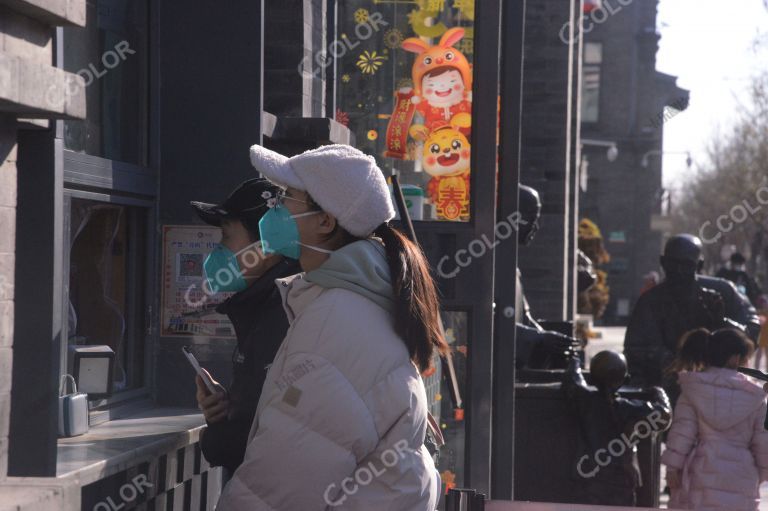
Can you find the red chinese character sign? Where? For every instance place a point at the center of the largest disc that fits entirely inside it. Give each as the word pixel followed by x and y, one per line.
pixel 397 130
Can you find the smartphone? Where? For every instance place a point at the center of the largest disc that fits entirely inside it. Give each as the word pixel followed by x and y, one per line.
pixel 199 370
pixel 754 373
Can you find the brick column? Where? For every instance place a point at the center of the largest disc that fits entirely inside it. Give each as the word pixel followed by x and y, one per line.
pixel 30 88
pixel 7 248
pixel 547 154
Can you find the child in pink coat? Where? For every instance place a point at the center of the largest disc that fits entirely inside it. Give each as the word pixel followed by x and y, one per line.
pixel 717 449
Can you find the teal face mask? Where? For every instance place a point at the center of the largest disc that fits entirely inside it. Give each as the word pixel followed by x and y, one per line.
pixel 223 271
pixel 280 234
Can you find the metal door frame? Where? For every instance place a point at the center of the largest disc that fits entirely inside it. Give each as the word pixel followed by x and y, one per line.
pixel 476 281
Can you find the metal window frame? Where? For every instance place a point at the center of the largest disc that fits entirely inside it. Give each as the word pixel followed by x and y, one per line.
pixel 441 239
pixel 87 172
pixel 513 49
pixel 102 409
pixel 101 179
pixel 147 91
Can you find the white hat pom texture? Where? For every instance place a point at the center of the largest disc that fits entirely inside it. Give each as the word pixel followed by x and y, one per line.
pixel 344 182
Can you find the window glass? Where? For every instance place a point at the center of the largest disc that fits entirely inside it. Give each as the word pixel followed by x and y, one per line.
pixel 110 55
pixel 452 455
pixel 404 88
pixel 106 277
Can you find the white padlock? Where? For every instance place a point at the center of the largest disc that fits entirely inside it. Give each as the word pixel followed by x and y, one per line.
pixel 73 409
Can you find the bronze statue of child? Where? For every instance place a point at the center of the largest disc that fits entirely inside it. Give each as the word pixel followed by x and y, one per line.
pixel 611 426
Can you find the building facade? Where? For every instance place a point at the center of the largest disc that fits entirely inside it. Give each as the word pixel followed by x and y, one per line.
pixel 624 100
pixel 115 114
pixel 551 152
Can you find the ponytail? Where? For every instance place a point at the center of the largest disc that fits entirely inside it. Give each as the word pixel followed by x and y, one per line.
pixel 699 349
pixel 692 351
pixel 727 342
pixel 417 314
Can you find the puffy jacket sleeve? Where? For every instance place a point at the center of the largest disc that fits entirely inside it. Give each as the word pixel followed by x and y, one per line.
pixel 759 444
pixel 683 434
pixel 310 433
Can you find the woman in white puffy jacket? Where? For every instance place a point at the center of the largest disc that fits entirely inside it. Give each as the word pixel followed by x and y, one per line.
pixel 343 414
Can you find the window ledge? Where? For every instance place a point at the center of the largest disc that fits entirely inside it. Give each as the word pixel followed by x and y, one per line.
pixel 35 90
pixel 115 445
pixel 38 494
pixel 53 12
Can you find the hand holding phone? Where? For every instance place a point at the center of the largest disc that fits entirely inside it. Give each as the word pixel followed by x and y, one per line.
pixel 215 407
pixel 209 384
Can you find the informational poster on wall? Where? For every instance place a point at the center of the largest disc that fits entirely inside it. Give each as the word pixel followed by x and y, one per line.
pixel 188 305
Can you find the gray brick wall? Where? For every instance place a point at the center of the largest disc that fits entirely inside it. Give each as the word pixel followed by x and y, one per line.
pixel 7 248
pixel 29 84
pixel 622 195
pixel 546 155
pixel 26 76
pixel 29 39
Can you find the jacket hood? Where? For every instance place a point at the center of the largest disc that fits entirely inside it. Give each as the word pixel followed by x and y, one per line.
pixel 722 397
pixel 360 267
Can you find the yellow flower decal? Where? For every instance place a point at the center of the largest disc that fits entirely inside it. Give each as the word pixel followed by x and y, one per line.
pixel 361 15
pixel 393 38
pixel 370 62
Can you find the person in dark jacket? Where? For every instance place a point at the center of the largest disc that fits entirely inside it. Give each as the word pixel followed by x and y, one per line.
pixel 736 272
pixel 255 310
pixel 684 301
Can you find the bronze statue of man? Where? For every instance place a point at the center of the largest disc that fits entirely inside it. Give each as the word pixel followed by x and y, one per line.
pixel 683 302
pixel 536 346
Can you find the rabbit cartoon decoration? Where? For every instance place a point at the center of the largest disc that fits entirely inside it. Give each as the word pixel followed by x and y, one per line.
pixel 442 80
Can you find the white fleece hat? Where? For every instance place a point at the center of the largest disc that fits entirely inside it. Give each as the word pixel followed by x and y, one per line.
pixel 342 180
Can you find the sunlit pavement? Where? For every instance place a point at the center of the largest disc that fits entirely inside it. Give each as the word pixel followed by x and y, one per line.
pixel 612 338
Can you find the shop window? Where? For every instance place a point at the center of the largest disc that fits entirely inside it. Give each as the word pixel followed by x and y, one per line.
pixel 110 54
pixel 590 87
pixel 403 82
pixel 414 119
pixel 452 456
pixel 106 304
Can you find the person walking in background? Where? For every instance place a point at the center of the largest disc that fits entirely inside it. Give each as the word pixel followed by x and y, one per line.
pixel 650 280
pixel 736 272
pixel 256 311
pixel 343 415
pixel 717 448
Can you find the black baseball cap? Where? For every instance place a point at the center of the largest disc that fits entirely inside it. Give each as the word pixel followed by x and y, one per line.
pixel 247 203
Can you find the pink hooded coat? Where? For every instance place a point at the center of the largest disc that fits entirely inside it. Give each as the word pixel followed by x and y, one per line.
pixel 719 442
